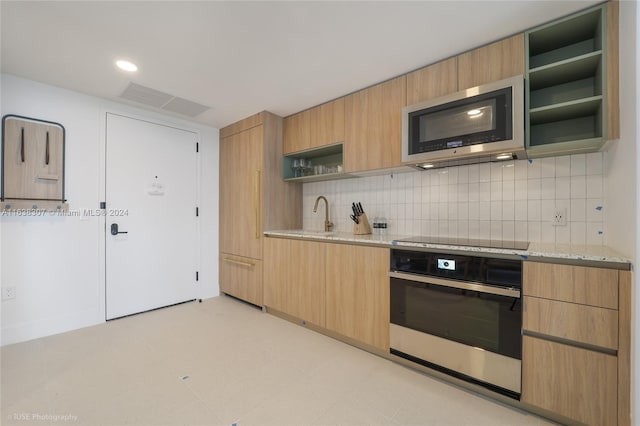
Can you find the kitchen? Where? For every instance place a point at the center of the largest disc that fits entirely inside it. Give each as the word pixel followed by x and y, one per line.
pixel 378 192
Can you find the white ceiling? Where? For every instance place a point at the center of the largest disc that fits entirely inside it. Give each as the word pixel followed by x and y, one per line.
pixel 243 57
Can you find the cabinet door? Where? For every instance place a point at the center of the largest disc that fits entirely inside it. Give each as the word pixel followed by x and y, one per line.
pixel 571 321
pixel 373 126
pixel 297 132
pixel 432 81
pixel 294 278
pixel 358 293
pixel 33 160
pixel 241 277
pixel 241 189
pixel 327 123
pixel 493 62
pixel 573 382
pixel 574 284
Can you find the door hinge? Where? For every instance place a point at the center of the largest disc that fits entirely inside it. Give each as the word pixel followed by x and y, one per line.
pixel 197 275
pixel 197 146
pixel 103 204
pixel 197 212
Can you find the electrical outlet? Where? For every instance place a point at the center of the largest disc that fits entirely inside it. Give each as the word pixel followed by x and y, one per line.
pixel 8 293
pixel 560 217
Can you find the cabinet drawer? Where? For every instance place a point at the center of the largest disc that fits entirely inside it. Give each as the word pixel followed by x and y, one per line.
pixel 579 323
pixel 241 277
pixel 573 382
pixel 576 284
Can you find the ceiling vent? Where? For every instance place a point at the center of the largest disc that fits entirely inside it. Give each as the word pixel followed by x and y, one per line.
pixel 157 99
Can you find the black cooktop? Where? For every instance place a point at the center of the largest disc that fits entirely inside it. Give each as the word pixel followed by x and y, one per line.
pixel 468 242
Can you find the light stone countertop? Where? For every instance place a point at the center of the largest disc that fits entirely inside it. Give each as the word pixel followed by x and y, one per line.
pixel 590 255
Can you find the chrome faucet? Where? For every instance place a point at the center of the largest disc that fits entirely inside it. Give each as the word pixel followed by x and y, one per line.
pixel 327 223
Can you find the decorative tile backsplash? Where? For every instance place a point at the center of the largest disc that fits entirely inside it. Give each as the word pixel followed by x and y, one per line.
pixel 512 200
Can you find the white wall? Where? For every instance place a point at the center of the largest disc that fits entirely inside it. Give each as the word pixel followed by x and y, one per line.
pixel 57 263
pixel 511 200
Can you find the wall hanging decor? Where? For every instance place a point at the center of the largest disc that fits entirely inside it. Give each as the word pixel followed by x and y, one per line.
pixel 32 164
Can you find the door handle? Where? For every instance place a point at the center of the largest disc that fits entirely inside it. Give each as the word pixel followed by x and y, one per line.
pixel 22 145
pixel 114 230
pixel 46 156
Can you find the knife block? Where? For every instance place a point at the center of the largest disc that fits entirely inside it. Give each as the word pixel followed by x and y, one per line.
pixel 363 227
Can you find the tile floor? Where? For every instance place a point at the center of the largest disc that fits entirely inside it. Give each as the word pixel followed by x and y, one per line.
pixel 243 367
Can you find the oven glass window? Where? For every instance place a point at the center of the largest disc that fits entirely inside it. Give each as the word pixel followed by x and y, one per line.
pixel 475 117
pixel 477 319
pixel 469 121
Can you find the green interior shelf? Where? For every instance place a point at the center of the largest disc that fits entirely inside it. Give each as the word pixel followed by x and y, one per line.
pixel 566 110
pixel 572 69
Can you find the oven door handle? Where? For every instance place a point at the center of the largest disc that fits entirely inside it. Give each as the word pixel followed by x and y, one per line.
pixel 464 285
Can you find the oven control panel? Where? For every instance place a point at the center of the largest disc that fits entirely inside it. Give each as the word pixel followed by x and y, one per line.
pixel 448 264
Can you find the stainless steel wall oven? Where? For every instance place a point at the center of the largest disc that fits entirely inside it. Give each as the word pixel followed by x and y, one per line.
pixel 459 314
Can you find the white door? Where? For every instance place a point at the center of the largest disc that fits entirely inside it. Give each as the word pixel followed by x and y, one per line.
pixel 151 198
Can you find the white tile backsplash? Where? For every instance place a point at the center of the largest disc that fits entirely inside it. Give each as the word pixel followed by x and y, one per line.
pixel 513 200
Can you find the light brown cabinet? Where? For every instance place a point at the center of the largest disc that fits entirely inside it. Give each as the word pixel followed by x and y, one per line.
pixel 241 200
pixel 327 123
pixel 358 293
pixel 493 62
pixel 252 197
pixel 576 342
pixel 432 81
pixel 314 128
pixel 33 164
pixel 241 277
pixel 571 381
pixel 297 132
pixel 294 278
pixel 343 288
pixel 373 126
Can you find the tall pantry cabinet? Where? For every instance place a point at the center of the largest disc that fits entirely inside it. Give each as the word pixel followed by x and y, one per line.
pixel 253 197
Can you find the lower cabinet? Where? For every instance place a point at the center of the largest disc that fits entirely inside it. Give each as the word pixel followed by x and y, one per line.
pixel 294 278
pixel 358 293
pixel 576 341
pixel 343 288
pixel 241 277
pixel 577 383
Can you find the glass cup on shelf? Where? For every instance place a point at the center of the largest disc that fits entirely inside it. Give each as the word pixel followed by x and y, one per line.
pixel 295 166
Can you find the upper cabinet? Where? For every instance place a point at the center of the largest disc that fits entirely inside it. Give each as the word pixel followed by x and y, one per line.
pixel 432 81
pixel 297 132
pixel 314 128
pixel 493 62
pixel 327 124
pixel 572 67
pixel 373 126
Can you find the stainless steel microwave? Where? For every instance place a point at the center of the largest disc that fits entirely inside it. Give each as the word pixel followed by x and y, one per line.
pixel 480 124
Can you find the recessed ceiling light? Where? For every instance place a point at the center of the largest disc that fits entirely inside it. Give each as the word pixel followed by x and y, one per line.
pixel 126 65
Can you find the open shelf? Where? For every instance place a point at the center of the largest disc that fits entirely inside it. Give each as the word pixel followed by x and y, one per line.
pixel 566 110
pixel 573 129
pixel 323 163
pixel 564 39
pixel 566 85
pixel 566 92
pixel 578 68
